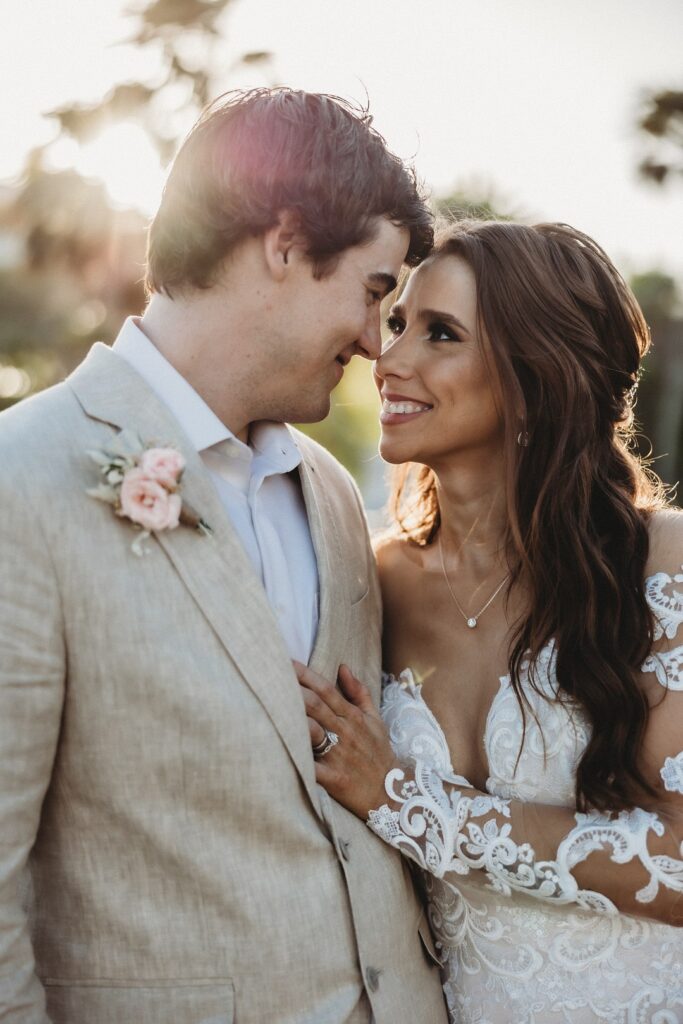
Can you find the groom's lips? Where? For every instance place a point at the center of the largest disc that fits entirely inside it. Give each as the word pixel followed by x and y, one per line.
pixel 341 361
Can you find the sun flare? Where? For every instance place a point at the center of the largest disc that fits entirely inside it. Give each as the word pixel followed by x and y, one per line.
pixel 125 160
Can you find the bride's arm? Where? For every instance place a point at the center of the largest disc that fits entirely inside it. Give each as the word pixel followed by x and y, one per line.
pixel 631 861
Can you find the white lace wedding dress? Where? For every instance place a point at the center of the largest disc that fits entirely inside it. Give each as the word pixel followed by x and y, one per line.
pixel 509 957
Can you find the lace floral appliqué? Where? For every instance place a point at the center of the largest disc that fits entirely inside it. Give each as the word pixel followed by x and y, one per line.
pixel 518 939
pixel 672 774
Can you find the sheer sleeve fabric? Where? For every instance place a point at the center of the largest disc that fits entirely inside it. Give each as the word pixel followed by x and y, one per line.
pixel 631 861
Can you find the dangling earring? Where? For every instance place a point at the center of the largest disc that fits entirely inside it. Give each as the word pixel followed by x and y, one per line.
pixel 523 439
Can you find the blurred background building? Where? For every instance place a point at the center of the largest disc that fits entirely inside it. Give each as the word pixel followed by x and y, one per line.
pixel 541 79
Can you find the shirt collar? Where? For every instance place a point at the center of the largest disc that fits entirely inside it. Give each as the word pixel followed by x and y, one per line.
pixel 272 447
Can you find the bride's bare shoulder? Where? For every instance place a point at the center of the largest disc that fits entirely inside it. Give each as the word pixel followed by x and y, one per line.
pixel 398 560
pixel 666 541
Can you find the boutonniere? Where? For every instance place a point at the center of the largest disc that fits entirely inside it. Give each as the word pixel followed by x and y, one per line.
pixel 143 483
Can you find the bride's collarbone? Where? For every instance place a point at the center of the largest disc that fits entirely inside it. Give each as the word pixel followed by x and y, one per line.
pixel 459 667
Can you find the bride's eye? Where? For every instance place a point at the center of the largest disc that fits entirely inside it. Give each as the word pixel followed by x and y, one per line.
pixel 394 325
pixel 440 332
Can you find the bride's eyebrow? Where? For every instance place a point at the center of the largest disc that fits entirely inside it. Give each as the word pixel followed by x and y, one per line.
pixel 443 318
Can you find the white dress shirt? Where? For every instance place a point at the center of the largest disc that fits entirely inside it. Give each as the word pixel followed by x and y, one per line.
pixel 256 485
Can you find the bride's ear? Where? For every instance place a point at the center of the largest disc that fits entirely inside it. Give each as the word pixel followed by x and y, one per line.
pixel 282 243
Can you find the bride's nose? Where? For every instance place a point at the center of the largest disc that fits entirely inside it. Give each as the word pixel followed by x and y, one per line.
pixel 394 360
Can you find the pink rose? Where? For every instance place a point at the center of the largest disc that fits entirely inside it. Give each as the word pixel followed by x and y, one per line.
pixel 146 502
pixel 163 465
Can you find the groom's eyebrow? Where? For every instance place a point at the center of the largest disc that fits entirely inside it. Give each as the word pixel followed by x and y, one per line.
pixel 387 282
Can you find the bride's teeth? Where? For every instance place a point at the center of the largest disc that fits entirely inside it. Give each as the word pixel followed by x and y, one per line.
pixel 402 407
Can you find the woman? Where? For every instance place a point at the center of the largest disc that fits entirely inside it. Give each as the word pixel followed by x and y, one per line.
pixel 529 755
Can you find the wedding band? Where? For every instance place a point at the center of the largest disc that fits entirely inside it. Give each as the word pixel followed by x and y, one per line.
pixel 329 740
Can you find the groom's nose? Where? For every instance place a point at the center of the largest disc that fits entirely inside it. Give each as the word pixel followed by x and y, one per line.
pixel 369 343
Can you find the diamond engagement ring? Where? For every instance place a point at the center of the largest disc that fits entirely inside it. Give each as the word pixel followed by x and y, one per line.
pixel 329 740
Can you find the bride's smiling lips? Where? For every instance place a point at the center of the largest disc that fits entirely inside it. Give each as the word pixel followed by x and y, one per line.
pixel 400 409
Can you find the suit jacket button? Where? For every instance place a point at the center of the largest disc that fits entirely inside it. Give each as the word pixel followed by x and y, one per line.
pixel 372 978
pixel 344 847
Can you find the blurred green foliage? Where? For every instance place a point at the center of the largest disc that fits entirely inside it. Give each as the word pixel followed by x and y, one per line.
pixel 659 405
pixel 351 431
pixel 73 272
pixel 71 265
pixel 476 200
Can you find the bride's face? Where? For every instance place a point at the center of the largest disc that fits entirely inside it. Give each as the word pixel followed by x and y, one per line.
pixel 439 397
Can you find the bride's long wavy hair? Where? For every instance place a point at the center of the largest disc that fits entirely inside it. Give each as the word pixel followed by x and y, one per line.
pixel 566 339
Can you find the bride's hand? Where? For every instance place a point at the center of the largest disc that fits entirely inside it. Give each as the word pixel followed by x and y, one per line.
pixel 352 771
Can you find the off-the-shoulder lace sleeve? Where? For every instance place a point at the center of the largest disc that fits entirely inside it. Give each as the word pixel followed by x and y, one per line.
pixel 665 598
pixel 437 819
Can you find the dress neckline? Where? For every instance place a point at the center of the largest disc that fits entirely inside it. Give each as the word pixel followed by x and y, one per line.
pixel 653 585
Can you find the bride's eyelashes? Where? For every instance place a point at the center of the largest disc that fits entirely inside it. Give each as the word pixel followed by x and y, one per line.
pixel 394 325
pixel 436 330
pixel 440 332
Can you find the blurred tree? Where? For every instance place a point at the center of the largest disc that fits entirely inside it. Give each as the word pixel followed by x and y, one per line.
pixel 76 263
pixel 79 273
pixel 476 200
pixel 661 389
pixel 662 123
pixel 658 295
pixel 659 409
pixel 190 37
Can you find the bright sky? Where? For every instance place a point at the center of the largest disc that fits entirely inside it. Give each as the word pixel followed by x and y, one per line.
pixel 536 98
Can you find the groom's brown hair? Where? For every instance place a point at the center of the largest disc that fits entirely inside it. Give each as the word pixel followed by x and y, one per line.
pixel 255 153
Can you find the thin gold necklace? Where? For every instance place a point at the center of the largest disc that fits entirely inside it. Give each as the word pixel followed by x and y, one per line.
pixel 471 620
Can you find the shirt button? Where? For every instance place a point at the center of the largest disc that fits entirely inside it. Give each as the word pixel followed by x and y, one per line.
pixel 344 848
pixel 372 978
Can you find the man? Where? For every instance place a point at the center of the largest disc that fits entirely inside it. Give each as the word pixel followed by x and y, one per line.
pixel 166 857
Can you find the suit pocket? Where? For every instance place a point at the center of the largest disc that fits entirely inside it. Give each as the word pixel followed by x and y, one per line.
pixel 359 601
pixel 133 1002
pixel 359 613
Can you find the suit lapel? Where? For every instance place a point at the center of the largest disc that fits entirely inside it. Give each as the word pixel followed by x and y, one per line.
pixel 215 569
pixel 332 574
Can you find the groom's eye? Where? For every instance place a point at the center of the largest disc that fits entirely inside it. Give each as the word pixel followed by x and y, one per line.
pixel 374 296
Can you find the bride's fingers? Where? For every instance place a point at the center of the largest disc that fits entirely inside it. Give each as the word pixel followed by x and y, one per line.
pixel 356 691
pixel 320 712
pixel 325 775
pixel 316 731
pixel 327 693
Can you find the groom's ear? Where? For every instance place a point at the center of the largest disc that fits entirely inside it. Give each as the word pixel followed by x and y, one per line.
pixel 284 241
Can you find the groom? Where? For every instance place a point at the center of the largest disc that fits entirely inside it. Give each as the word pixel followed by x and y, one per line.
pixel 167 546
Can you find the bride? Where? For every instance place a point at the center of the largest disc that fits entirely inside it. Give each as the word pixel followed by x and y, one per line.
pixel 529 754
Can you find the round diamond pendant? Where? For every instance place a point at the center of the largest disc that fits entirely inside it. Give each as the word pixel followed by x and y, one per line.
pixel 472 623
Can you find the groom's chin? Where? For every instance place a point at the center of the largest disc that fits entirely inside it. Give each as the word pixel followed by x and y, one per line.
pixel 313 411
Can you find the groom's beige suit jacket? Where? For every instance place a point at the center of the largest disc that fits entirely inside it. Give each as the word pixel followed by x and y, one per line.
pixel 165 854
